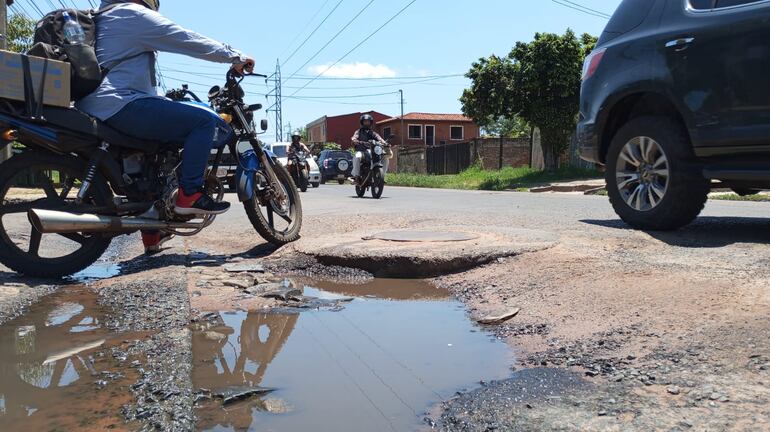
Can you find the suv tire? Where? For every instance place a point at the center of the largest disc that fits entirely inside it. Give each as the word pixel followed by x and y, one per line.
pixel 652 181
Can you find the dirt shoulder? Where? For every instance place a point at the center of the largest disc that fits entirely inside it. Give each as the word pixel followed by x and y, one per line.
pixel 671 332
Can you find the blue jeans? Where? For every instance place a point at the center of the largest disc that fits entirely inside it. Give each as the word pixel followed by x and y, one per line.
pixel 199 129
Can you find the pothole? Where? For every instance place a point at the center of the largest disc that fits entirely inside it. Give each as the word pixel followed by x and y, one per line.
pixel 54 370
pixel 414 236
pixel 377 364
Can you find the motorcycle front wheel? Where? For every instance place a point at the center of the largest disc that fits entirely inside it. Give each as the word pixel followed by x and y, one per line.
pixel 38 180
pixel 378 183
pixel 277 221
pixel 304 181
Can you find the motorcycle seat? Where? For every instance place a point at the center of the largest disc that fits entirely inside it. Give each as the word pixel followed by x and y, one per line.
pixel 74 120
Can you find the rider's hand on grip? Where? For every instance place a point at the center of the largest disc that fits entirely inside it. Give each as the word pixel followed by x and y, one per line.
pixel 246 67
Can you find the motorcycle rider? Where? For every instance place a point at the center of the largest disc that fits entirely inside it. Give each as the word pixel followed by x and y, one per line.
pixel 128 38
pixel 297 145
pixel 361 140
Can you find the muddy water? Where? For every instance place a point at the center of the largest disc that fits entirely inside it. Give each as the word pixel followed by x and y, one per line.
pixel 53 375
pixel 376 365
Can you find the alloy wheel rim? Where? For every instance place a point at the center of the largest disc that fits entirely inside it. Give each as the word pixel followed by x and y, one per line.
pixel 642 173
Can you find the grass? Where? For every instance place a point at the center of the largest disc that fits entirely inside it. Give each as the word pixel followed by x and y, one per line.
pixel 736 197
pixel 475 178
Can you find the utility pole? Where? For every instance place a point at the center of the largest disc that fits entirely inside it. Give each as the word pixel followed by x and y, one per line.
pixel 7 152
pixel 277 107
pixel 401 92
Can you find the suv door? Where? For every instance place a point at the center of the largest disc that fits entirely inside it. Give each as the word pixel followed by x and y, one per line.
pixel 716 52
pixel 748 66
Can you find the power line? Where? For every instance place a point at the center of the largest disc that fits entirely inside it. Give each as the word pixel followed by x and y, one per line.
pixel 350 96
pixel 587 8
pixel 306 25
pixel 357 46
pixel 35 7
pixel 587 12
pixel 352 20
pixel 312 33
pixel 322 101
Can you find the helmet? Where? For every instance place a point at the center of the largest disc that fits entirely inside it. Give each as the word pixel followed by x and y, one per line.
pixel 152 4
pixel 367 117
pixel 296 133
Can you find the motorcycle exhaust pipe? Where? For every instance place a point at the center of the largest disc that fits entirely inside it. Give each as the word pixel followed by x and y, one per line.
pixel 56 222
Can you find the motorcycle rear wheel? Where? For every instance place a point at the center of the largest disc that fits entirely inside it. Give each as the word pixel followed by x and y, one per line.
pixel 24 180
pixel 266 219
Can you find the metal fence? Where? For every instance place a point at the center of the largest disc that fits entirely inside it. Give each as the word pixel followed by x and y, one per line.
pixel 449 158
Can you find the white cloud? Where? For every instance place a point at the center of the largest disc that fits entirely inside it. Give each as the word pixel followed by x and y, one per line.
pixel 354 70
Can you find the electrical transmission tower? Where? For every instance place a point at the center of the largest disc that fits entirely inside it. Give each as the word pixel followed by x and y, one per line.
pixel 276 107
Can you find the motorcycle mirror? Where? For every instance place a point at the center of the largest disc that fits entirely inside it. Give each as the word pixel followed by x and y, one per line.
pixel 214 92
pixel 263 125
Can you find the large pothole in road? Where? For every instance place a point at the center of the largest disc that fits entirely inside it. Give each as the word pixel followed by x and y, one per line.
pixel 55 373
pixel 375 364
pixel 420 253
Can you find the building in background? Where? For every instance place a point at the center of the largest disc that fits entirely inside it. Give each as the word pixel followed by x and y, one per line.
pixel 423 129
pixel 338 129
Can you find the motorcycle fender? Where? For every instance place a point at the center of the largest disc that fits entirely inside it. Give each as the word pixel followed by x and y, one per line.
pixel 245 174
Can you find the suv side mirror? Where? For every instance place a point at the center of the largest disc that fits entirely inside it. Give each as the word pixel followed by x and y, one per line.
pixel 263 125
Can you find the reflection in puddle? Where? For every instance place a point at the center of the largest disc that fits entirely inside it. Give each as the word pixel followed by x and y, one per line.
pixel 49 367
pixel 376 365
pixel 96 272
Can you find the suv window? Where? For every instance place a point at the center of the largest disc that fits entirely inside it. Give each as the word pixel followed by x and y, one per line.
pixel 629 15
pixel 338 155
pixel 702 4
pixel 728 3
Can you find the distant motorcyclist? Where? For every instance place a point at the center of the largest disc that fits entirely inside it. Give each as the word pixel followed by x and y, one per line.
pixel 297 145
pixel 361 140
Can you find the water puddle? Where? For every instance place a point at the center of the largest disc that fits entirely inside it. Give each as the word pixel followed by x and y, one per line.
pixel 52 373
pixel 377 364
pixel 96 272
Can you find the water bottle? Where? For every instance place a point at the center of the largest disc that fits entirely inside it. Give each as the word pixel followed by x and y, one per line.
pixel 73 32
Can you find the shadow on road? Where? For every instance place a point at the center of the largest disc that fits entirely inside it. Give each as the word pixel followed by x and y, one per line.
pixel 705 232
pixel 195 259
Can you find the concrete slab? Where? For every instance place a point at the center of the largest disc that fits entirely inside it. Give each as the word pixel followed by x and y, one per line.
pixel 450 249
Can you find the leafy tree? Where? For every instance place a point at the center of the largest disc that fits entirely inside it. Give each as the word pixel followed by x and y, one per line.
pixel 538 82
pixel 507 127
pixel 21 31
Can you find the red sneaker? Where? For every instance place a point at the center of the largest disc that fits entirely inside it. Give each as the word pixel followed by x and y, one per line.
pixel 198 204
pixel 153 240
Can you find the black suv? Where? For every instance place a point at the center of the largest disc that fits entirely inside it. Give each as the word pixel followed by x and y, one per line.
pixel 335 165
pixel 675 100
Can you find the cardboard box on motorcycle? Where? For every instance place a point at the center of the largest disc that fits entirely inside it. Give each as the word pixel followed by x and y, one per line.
pixel 57 79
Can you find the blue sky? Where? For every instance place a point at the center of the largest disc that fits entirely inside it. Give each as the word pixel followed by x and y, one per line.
pixel 432 37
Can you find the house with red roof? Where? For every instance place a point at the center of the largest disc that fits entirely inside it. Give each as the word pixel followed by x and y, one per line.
pixel 338 129
pixel 425 129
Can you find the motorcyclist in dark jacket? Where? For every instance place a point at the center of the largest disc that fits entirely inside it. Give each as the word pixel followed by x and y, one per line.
pixel 361 140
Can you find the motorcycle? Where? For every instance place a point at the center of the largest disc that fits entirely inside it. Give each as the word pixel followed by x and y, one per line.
pixel 76 184
pixel 372 170
pixel 299 168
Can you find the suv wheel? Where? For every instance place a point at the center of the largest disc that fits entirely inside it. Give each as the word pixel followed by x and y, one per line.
pixel 651 181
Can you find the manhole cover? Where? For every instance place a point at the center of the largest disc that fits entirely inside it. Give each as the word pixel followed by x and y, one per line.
pixel 423 236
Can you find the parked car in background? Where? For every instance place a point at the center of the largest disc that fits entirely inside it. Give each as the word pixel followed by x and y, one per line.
pixel 335 165
pixel 676 99
pixel 281 151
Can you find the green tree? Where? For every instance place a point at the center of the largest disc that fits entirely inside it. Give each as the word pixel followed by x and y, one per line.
pixel 507 127
pixel 538 82
pixel 21 31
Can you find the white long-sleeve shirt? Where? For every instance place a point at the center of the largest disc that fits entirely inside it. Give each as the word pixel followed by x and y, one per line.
pixel 128 38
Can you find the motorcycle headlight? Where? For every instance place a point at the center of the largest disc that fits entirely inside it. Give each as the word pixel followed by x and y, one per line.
pixel 378 150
